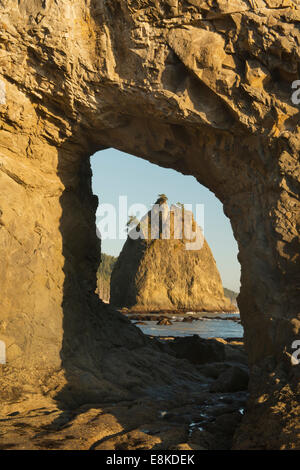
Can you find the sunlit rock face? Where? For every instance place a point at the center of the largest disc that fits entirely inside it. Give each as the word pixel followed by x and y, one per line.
pixel 204 89
pixel 166 264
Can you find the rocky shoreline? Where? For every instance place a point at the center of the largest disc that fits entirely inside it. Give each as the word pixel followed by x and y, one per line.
pixel 168 318
pixel 203 418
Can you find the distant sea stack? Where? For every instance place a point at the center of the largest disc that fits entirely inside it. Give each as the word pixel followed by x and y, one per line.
pixel 166 264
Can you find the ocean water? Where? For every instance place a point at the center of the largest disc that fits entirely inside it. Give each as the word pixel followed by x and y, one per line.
pixel 205 328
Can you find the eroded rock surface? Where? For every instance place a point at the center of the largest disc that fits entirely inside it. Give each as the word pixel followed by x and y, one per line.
pixel 203 88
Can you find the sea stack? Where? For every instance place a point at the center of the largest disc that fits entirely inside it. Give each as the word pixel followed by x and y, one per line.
pixel 166 264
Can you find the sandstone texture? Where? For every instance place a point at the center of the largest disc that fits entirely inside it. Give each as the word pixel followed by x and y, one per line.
pixel 171 273
pixel 204 88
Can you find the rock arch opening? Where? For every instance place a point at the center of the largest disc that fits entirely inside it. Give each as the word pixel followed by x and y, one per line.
pixel 127 185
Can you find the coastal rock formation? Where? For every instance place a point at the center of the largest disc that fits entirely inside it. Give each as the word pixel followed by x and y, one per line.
pixel 171 270
pixel 207 88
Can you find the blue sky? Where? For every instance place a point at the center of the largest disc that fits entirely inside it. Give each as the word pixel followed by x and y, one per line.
pixel 118 174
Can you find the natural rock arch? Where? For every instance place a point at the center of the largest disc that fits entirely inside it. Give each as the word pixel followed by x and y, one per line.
pixel 204 90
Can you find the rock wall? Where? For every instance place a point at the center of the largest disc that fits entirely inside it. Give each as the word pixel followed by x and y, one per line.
pixel 168 267
pixel 202 88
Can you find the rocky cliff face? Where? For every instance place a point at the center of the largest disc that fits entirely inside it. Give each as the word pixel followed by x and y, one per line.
pixel 204 88
pixel 164 274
